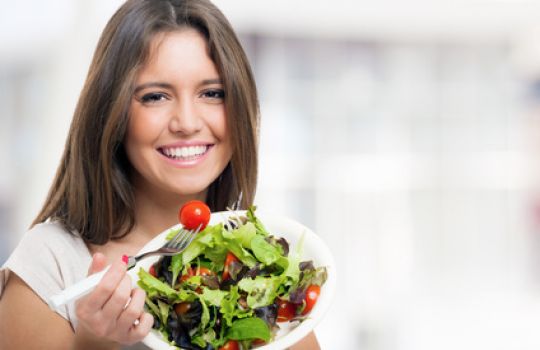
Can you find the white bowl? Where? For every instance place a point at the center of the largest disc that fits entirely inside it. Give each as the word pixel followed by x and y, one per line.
pixel 314 249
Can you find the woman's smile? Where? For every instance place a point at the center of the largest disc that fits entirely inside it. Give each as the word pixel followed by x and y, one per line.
pixel 185 155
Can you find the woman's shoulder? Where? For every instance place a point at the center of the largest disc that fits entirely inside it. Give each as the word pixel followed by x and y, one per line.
pixel 48 258
pixel 49 229
pixel 52 235
pixel 50 245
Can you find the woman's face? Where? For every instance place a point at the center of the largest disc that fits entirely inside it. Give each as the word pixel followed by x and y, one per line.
pixel 177 139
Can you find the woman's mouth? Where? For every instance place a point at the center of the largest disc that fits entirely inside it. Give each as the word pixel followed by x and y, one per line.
pixel 184 153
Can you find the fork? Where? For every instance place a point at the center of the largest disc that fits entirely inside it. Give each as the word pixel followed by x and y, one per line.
pixel 176 245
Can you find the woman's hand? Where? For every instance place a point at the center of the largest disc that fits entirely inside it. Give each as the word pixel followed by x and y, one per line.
pixel 113 312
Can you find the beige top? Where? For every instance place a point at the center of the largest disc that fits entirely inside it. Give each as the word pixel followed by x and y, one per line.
pixel 48 259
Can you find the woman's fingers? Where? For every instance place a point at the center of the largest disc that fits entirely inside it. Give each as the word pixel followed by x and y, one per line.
pixel 114 310
pixel 116 304
pixel 133 311
pixel 98 263
pixel 107 286
pixel 137 333
pixel 134 321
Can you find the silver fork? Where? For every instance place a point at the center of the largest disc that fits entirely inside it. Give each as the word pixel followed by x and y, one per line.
pixel 176 245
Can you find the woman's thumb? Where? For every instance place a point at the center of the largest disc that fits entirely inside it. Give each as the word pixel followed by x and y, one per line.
pixel 98 263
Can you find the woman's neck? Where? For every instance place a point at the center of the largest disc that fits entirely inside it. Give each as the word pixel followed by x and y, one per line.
pixel 155 211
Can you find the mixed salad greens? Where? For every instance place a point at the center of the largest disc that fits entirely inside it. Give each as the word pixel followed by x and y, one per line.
pixel 230 287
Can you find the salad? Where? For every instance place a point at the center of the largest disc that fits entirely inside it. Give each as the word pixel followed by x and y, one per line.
pixel 231 287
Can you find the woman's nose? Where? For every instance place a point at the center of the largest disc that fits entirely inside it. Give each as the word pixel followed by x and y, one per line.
pixel 185 118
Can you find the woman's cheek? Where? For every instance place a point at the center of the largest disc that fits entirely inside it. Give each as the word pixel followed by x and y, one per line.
pixel 146 124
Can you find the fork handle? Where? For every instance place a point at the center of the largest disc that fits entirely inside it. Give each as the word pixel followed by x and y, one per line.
pixel 76 290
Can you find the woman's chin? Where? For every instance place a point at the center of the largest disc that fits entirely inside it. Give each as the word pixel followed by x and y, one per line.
pixel 190 190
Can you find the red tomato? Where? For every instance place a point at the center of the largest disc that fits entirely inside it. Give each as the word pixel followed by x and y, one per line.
pixel 286 311
pixel 152 271
pixel 200 271
pixel 194 214
pixel 230 345
pixel 182 308
pixel 228 261
pixel 312 294
pixel 258 342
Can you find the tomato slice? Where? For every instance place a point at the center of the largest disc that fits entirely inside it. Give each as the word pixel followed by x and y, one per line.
pixel 194 214
pixel 199 271
pixel 230 345
pixel 258 342
pixel 152 270
pixel 182 308
pixel 202 271
pixel 286 310
pixel 228 261
pixel 312 294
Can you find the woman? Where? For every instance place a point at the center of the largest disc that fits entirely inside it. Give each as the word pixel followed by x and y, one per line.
pixel 168 113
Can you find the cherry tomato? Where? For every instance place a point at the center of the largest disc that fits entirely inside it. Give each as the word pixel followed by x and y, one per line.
pixel 258 342
pixel 182 308
pixel 194 214
pixel 228 261
pixel 200 271
pixel 152 271
pixel 312 294
pixel 286 310
pixel 230 345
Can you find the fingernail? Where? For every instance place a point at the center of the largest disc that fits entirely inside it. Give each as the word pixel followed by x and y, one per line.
pixel 125 259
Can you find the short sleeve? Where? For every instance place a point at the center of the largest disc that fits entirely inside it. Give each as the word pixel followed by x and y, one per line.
pixel 48 258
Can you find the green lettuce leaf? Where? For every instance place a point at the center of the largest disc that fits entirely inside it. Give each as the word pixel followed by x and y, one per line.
pixel 176 266
pixel 154 287
pixel 251 217
pixel 229 307
pixel 213 297
pixel 164 309
pixel 244 234
pixel 153 308
pixel 249 328
pixel 264 251
pixel 292 272
pixel 261 291
pixel 241 253
pixel 195 249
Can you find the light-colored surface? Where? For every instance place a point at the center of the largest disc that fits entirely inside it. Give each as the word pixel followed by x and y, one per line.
pixel 314 249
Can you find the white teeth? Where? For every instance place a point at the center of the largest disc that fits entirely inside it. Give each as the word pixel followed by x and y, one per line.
pixel 184 152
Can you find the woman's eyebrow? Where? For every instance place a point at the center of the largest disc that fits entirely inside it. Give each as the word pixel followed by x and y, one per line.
pixel 169 86
pixel 153 84
pixel 211 81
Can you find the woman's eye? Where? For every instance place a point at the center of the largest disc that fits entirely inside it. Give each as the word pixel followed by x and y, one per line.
pixel 214 94
pixel 152 97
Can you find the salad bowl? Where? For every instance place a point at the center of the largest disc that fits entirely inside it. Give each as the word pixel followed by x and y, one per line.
pixel 313 248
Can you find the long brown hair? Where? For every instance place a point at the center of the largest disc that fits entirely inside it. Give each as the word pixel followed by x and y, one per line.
pixel 91 193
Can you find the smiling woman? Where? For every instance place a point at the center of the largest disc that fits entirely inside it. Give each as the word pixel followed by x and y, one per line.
pixel 168 114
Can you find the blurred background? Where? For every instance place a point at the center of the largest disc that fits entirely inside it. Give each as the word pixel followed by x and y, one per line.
pixel 405 133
